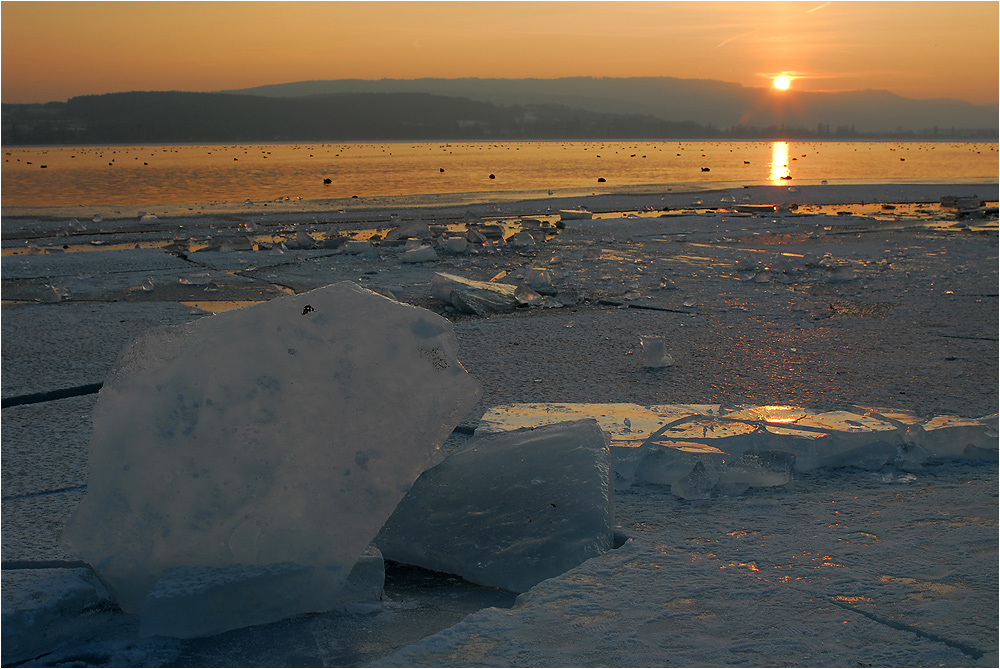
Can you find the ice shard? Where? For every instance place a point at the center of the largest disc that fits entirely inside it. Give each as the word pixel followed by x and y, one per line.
pixel 511 509
pixel 277 436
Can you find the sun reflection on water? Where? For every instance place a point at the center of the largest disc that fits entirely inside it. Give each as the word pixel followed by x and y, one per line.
pixel 778 167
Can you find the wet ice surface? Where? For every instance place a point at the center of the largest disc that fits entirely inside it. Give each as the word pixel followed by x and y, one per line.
pixel 846 569
pixel 820 310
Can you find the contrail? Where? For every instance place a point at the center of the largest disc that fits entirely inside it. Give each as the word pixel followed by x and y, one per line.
pixel 815 9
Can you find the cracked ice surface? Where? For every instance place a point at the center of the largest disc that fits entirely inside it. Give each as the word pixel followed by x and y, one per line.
pixel 280 434
pixel 702 451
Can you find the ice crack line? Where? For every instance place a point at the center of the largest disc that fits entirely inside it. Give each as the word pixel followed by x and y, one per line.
pixel 29 495
pixel 971 651
pixel 49 395
pixel 964 648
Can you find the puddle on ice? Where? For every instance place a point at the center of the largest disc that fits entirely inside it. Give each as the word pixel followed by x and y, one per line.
pixel 220 306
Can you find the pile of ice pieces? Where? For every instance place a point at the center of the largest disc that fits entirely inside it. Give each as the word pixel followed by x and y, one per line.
pixel 241 464
pixel 489 297
pixel 423 241
pixel 474 297
pixel 702 451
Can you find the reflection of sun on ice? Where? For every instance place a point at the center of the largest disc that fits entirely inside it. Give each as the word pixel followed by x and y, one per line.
pixel 782 83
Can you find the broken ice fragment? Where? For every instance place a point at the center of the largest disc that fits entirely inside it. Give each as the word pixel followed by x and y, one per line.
pixel 697 484
pixel 418 254
pixel 410 229
pixel 213 447
pixel 511 509
pixel 474 297
pixel 199 279
pixel 527 296
pixel 456 245
pixel 654 352
pixel 538 278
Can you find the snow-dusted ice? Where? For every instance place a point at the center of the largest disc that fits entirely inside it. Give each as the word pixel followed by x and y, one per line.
pixel 278 437
pixel 511 509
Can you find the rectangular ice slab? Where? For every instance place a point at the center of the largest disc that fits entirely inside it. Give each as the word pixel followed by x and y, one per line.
pixel 511 509
pixel 279 434
pixel 196 601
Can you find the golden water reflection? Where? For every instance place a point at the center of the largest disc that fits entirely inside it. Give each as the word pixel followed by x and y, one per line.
pixel 778 167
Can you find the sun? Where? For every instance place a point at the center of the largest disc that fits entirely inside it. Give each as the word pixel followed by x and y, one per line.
pixel 782 83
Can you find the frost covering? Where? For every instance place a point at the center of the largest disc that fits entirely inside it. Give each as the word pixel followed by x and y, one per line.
pixel 280 435
pixel 511 509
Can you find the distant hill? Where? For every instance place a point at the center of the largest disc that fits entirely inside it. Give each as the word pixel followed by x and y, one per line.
pixel 717 103
pixel 533 109
pixel 173 117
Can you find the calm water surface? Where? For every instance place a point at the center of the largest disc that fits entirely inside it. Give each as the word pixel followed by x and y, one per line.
pixel 479 171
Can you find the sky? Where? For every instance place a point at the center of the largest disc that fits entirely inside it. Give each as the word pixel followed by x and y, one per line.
pixel 52 51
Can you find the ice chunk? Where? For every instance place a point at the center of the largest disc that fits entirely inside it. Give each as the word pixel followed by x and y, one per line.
pixel 697 484
pixel 44 607
pixel 511 509
pixel 419 254
pixel 259 437
pixel 456 245
pixel 360 248
pixel 410 229
pixel 527 296
pixel 474 297
pixel 575 215
pixel 950 437
pixel 303 240
pixel 756 469
pixel 521 240
pixel 189 602
pixel 654 352
pixel 538 277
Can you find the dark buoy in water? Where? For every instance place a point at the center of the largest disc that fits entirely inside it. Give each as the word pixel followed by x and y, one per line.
pixel 493 176
pixel 601 180
pixel 706 169
pixel 328 181
pixel 441 169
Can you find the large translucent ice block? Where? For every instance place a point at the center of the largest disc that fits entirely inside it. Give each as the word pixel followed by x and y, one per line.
pixel 279 434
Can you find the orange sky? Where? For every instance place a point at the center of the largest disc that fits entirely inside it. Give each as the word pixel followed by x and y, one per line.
pixel 55 50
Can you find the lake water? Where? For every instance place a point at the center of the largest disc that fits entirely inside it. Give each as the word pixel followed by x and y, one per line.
pixel 462 172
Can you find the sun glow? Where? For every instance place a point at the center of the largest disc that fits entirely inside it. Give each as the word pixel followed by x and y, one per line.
pixel 782 83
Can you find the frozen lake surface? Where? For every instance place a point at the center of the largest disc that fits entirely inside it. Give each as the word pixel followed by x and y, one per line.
pixel 838 567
